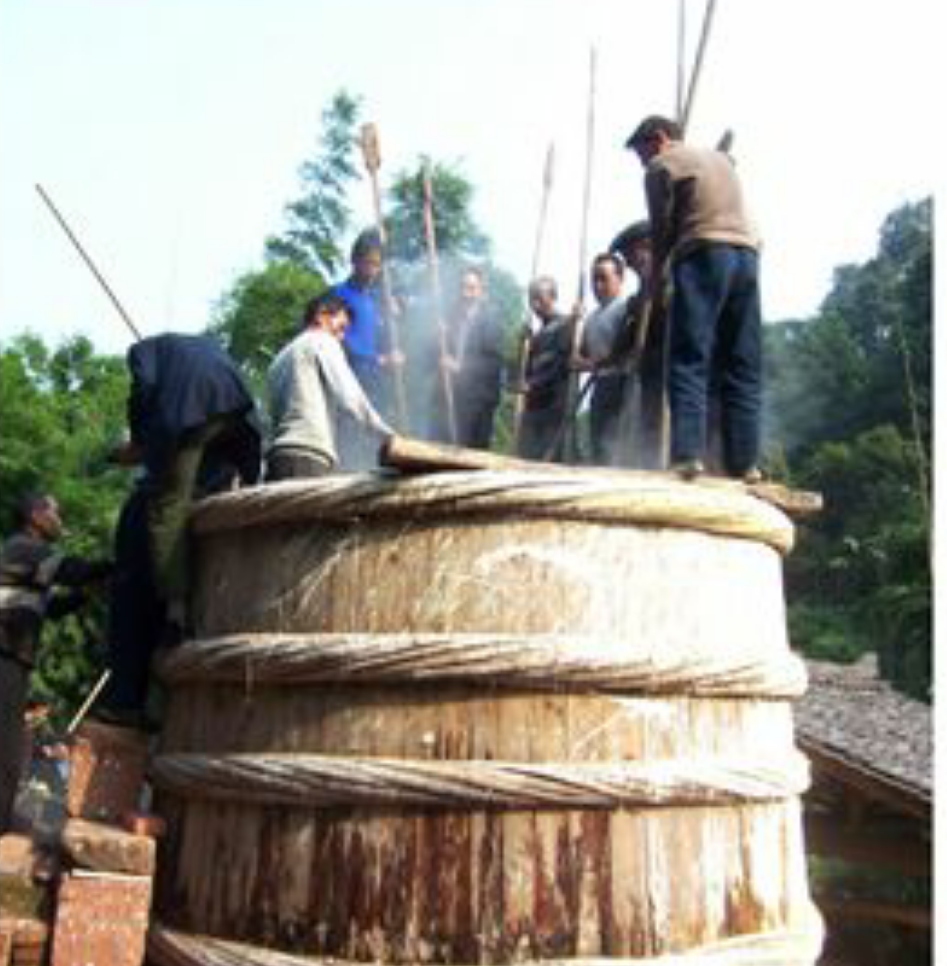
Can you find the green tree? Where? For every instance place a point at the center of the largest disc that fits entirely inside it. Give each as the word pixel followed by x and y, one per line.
pixel 322 215
pixel 850 416
pixel 456 231
pixel 262 312
pixel 61 412
pixel 460 243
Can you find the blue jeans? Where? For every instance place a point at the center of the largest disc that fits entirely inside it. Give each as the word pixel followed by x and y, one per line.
pixel 716 322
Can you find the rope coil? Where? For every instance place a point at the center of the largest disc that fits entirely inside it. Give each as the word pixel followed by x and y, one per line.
pixel 323 781
pixel 637 499
pixel 798 946
pixel 544 662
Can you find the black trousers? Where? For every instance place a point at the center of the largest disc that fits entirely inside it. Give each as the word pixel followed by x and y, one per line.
pixel 136 611
pixel 14 685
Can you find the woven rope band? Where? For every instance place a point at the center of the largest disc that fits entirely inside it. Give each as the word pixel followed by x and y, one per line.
pixel 783 947
pixel 643 501
pixel 505 660
pixel 323 781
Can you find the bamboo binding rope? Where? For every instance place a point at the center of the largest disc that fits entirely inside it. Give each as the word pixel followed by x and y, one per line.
pixel 549 662
pixel 328 781
pixel 784 947
pixel 640 500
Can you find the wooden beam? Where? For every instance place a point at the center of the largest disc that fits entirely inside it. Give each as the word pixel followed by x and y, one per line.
pixel 906 853
pixel 864 910
pixel 831 766
pixel 409 455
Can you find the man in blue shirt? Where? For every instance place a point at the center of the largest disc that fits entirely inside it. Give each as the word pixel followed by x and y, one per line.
pixel 366 342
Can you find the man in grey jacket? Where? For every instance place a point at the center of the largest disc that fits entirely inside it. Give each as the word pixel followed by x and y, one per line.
pixel 313 391
pixel 700 225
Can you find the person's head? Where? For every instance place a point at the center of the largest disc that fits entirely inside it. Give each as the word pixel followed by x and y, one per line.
pixel 328 312
pixel 38 513
pixel 366 257
pixel 608 273
pixel 634 246
pixel 472 285
pixel 543 294
pixel 652 136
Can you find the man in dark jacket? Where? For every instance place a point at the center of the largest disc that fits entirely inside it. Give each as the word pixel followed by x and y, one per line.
pixel 545 423
pixel 474 365
pixel 192 425
pixel 36 582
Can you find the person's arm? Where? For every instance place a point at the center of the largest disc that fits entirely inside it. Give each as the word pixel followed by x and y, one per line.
pixel 142 365
pixel 346 392
pixel 659 193
pixel 78 572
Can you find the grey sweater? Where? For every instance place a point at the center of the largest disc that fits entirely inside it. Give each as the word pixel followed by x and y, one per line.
pixel 310 385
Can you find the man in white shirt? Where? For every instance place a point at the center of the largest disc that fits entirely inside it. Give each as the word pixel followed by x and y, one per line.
pixel 312 388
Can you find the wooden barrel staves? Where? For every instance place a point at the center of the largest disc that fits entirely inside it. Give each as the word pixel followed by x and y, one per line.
pixel 484 718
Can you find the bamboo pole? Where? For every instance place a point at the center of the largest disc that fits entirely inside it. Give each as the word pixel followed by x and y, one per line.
pixel 698 65
pixel 371 155
pixel 431 239
pixel 89 701
pixel 681 39
pixel 567 428
pixel 88 260
pixel 526 343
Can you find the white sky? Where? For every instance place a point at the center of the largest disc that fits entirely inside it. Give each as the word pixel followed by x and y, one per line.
pixel 170 132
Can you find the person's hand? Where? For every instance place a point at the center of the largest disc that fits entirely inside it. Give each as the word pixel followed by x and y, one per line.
pixel 449 364
pixel 395 358
pixel 126 454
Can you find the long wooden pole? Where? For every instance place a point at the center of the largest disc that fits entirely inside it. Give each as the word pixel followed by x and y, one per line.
pixel 88 260
pixel 372 157
pixel 567 428
pixel 698 65
pixel 431 239
pixel 587 188
pixel 681 40
pixel 526 343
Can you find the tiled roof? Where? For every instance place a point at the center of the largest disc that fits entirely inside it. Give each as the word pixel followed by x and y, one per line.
pixel 853 715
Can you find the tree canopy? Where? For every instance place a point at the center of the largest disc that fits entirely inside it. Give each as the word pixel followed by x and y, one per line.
pixel 849 398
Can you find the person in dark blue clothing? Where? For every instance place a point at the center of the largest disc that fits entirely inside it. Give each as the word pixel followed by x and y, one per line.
pixel 192 424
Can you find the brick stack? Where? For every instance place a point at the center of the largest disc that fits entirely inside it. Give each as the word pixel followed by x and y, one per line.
pixel 24 902
pixel 104 897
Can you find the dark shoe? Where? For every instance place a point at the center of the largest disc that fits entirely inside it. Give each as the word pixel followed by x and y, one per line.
pixel 688 469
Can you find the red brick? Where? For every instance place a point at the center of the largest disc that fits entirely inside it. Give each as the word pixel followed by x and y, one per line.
pixel 23 942
pixel 101 919
pixel 138 823
pixel 107 769
pixel 104 848
pixel 17 855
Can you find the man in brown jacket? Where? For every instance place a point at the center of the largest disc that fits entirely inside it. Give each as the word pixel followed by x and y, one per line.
pixel 700 226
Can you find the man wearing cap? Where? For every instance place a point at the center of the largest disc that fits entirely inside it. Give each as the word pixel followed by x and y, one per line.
pixel 700 225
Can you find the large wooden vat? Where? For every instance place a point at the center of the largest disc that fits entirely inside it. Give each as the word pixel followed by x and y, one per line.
pixel 485 718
